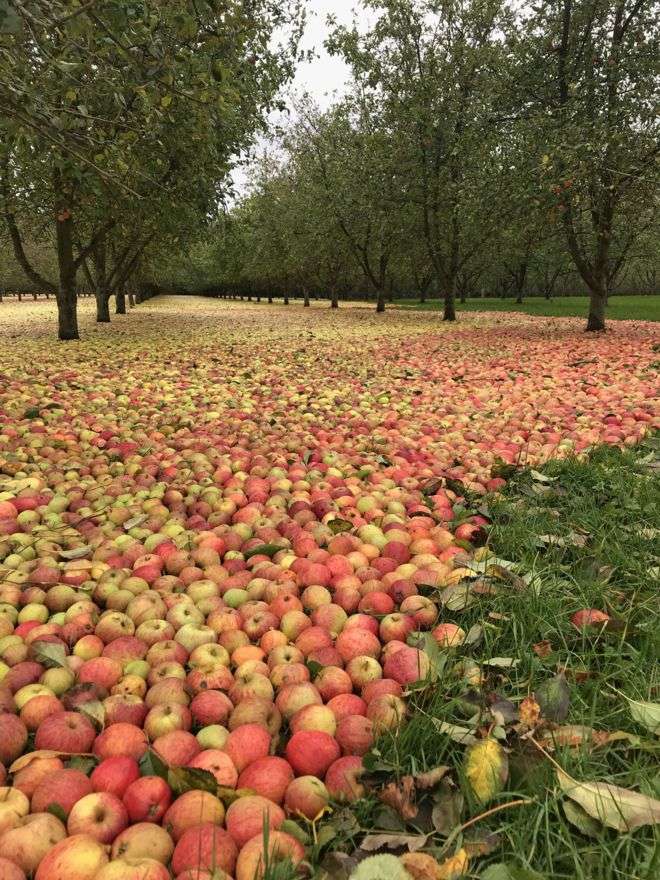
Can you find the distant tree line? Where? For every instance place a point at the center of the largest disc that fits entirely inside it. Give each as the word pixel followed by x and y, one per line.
pixel 485 148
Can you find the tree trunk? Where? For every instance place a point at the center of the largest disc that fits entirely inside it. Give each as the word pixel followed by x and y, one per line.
pixel 67 301
pixel 463 296
pixel 305 298
pixel 270 299
pixel 120 301
pixel 286 300
pixel 131 299
pixel 450 300
pixel 102 307
pixel 334 299
pixel 380 300
pixel 597 303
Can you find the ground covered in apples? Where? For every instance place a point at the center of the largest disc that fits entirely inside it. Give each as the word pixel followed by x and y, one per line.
pixel 334 574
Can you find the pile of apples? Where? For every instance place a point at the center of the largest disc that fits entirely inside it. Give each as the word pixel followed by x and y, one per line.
pixel 267 651
pixel 217 564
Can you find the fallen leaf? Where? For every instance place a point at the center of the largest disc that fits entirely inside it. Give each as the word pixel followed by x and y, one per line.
pixel 503 871
pixel 481 846
pixel 431 778
pixel 401 797
pixel 587 825
pixel 463 735
pixel 52 655
pixel 26 760
pixel 421 866
pixel 529 712
pixel 374 842
pixel 447 808
pixel 542 649
pixel 487 768
pixel 618 808
pixel 646 714
pixel 553 696
pixel 502 662
pixel 457 597
pixel 454 867
pixel 76 553
pixel 500 573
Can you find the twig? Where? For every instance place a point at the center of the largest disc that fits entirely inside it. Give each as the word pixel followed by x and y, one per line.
pixel 461 828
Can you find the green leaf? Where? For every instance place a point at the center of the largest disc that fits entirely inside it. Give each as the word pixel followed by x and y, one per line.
pixel 618 808
pixel 32 413
pixel 152 764
pixel 56 810
pixel 85 763
pixel 52 656
pixel 337 526
pixel 95 711
pixel 646 714
pixel 263 550
pixel 553 696
pixel 314 667
pixel 183 779
pixel 135 521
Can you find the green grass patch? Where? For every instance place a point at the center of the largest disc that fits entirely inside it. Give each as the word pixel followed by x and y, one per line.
pixel 583 534
pixel 632 308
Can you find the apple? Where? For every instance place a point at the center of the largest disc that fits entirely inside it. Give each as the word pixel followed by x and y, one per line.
pixel 190 809
pixel 306 796
pixel 310 752
pixel 448 635
pixel 29 777
pixel 213 736
pixel 268 777
pixel 347 704
pixel 205 846
pixel 13 738
pixel 99 815
pixel 356 642
pixel 254 710
pixel 406 665
pixel 362 670
pixel 386 712
pixel 355 735
pixel 143 841
pixel 314 717
pixel 13 806
pixel 114 775
pixel 121 739
pixel 28 843
pixel 65 732
pixel 246 743
pixel 78 857
pixel 282 847
pixel 63 789
pixel 147 799
pixel 247 816
pixel 342 778
pixel 177 747
pixel 219 764
pixel 10 870
pixel 134 869
pixel 165 718
pixel 293 697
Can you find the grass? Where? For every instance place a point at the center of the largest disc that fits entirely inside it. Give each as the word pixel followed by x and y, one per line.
pixel 633 308
pixel 609 501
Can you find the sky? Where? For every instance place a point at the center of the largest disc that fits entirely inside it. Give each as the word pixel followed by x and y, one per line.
pixel 325 75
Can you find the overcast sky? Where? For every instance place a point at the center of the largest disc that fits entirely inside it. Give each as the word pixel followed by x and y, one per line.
pixel 324 75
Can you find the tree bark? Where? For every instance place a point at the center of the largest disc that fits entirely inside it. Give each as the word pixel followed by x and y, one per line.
pixel 305 298
pixel 597 303
pixel 102 306
pixel 380 300
pixel 67 301
pixel 334 299
pixel 120 302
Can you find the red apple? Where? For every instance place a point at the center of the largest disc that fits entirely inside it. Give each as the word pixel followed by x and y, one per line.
pixel 114 775
pixel 147 799
pixel 99 815
pixel 247 816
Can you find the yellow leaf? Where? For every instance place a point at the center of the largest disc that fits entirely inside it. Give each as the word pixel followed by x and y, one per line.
pixel 454 867
pixel 165 101
pixel 487 768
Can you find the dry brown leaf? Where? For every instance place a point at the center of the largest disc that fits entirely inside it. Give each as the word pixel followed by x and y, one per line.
pixel 431 777
pixel 421 866
pixel 24 760
pixel 529 712
pixel 542 649
pixel 401 797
